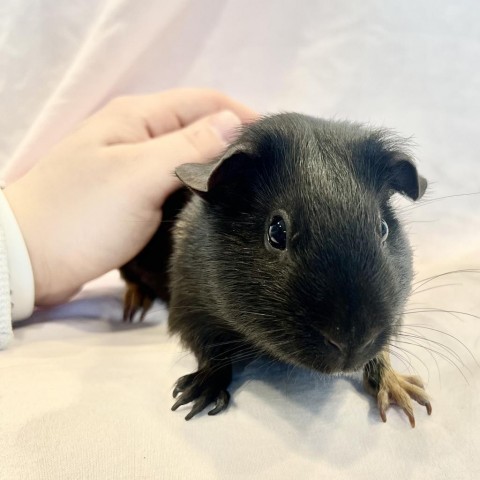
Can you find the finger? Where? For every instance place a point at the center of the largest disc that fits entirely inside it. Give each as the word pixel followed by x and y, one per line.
pixel 200 142
pixel 138 118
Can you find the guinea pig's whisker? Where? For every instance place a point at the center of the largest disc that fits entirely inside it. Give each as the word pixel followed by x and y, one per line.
pixel 453 313
pixel 249 356
pixel 416 292
pixel 237 357
pixel 451 272
pixel 449 349
pixel 420 338
pixel 410 353
pixel 238 350
pixel 453 337
pixel 420 283
pixel 440 354
pixel 435 342
pixel 424 202
pixel 404 358
pixel 449 352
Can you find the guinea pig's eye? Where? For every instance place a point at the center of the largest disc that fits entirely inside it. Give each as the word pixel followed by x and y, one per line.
pixel 277 233
pixel 384 231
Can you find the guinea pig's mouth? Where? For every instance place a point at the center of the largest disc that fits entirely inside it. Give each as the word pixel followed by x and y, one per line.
pixel 332 357
pixel 338 364
pixel 337 367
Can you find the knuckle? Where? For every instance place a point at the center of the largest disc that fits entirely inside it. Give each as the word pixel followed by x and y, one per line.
pixel 197 139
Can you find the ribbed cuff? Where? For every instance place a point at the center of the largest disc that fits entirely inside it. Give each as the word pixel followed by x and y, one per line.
pixel 16 275
pixel 5 305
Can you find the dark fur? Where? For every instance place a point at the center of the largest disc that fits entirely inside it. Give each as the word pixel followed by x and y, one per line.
pixel 333 298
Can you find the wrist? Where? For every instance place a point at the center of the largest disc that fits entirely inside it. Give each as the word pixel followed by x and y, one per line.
pixel 32 235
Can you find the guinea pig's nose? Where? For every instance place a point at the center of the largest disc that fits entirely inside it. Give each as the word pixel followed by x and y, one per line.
pixel 330 342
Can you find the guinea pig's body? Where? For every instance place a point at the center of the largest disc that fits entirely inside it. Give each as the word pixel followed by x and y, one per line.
pixel 289 247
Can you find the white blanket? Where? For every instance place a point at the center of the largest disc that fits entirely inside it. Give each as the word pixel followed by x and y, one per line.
pixel 89 398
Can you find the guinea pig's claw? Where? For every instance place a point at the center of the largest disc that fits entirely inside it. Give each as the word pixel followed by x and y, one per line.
pixel 399 390
pixel 135 300
pixel 202 390
pixel 222 402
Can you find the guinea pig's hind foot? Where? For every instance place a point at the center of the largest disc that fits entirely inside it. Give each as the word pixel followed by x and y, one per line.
pixel 392 388
pixel 136 299
pixel 207 385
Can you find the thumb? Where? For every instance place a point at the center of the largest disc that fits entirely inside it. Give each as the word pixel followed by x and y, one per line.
pixel 199 142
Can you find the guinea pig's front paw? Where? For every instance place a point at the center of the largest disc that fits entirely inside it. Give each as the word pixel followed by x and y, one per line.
pixel 399 389
pixel 392 388
pixel 137 299
pixel 207 385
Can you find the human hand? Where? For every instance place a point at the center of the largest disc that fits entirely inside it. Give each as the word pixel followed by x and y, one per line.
pixel 95 200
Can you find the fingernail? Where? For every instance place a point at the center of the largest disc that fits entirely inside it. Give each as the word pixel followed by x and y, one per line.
pixel 227 125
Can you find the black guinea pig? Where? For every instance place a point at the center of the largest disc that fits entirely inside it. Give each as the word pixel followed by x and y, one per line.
pixel 287 245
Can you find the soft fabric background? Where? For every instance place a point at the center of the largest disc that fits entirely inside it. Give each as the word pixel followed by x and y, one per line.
pixel 84 397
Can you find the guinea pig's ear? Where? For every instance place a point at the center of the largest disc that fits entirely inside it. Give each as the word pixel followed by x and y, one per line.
pixel 405 179
pixel 202 178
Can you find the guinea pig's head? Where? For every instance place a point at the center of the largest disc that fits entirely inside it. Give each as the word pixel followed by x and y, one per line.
pixel 308 259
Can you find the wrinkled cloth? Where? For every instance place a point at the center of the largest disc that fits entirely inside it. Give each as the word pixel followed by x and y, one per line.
pixel 84 396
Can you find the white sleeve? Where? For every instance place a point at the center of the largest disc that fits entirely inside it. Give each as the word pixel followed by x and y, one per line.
pixel 16 276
